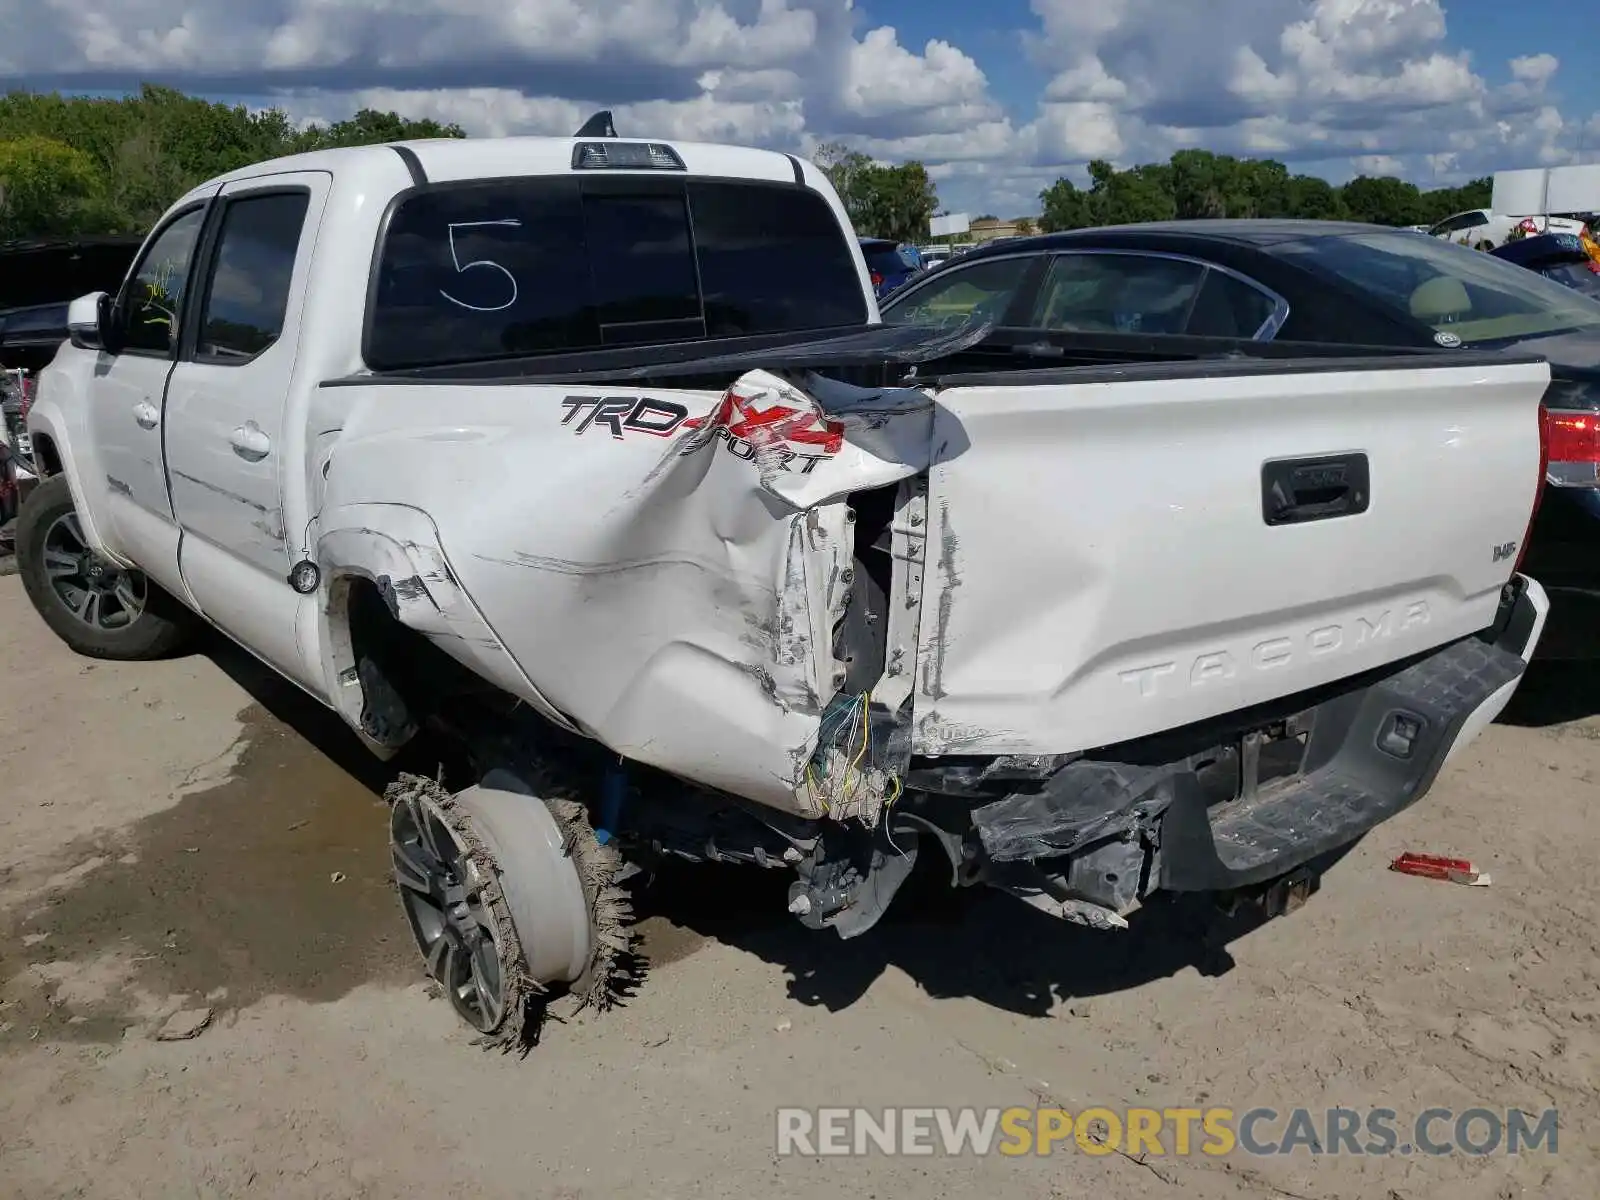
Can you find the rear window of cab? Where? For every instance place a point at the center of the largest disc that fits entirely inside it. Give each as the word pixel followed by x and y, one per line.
pixel 506 268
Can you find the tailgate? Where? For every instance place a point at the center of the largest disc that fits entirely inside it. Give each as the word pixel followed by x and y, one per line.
pixel 1116 553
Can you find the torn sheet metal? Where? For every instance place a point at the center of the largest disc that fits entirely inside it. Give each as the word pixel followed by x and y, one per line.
pixel 396 548
pixel 667 567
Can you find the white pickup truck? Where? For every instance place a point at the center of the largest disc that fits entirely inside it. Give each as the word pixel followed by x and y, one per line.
pixel 593 454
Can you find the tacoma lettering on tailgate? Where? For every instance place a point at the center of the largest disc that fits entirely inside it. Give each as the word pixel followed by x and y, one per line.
pixel 1214 666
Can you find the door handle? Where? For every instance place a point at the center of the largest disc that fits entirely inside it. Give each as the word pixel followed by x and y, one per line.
pixel 1296 490
pixel 146 415
pixel 250 442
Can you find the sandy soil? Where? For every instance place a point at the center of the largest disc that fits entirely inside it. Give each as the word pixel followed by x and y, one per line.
pixel 191 833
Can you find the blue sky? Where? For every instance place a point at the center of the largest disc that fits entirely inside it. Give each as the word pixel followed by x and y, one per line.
pixel 998 97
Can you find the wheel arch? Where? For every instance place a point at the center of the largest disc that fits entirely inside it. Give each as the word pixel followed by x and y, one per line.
pixel 56 454
pixel 390 553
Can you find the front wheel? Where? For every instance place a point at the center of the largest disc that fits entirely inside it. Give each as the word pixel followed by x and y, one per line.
pixel 96 607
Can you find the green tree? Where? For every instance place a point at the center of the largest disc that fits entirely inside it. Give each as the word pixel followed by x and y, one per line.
pixel 1383 200
pixel 148 149
pixel 898 202
pixel 1314 198
pixel 881 201
pixel 1065 207
pixel 1142 193
pixel 46 187
pixel 846 169
pixel 1197 184
pixel 370 127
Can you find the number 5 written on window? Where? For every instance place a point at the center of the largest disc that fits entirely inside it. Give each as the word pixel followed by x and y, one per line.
pixel 463 268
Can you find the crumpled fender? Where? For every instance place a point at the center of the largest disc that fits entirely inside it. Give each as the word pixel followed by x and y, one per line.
pixel 666 567
pixel 397 548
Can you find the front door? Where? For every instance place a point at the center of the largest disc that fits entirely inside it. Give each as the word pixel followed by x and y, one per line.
pixel 227 443
pixel 128 397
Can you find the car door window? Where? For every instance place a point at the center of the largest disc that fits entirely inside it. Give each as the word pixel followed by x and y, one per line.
pixel 982 290
pixel 1459 222
pixel 1230 307
pixel 1118 293
pixel 247 293
pixel 152 305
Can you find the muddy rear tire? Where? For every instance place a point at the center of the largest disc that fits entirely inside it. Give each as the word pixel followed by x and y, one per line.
pixel 97 608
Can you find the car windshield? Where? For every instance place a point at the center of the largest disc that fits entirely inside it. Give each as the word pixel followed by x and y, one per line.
pixel 1458 292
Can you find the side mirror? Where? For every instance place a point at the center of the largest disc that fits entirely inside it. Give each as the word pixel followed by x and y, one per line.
pixel 87 318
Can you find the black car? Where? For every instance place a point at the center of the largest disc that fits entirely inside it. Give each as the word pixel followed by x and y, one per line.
pixel 1180 289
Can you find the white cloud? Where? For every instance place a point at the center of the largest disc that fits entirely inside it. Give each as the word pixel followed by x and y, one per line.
pixel 1377 164
pixel 1534 69
pixel 1347 85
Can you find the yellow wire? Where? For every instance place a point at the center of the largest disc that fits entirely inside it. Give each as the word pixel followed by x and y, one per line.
pixel 866 737
pixel 866 725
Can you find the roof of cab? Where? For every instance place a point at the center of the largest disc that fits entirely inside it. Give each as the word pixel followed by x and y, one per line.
pixel 447 159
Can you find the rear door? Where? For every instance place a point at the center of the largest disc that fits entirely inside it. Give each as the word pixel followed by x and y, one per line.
pixel 227 444
pixel 1121 551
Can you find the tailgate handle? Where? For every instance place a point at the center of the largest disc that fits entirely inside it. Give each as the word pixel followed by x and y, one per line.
pixel 1296 490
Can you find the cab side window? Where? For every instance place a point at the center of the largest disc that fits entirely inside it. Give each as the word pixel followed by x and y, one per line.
pixel 150 311
pixel 247 293
pixel 982 291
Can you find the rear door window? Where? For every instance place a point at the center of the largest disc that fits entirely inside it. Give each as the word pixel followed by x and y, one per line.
pixel 478 271
pixel 1230 307
pixel 1118 293
pixel 248 291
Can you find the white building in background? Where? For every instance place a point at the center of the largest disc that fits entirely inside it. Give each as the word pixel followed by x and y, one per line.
pixel 1547 190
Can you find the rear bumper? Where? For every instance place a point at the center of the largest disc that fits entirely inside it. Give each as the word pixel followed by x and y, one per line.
pixel 1369 753
pixel 1368 772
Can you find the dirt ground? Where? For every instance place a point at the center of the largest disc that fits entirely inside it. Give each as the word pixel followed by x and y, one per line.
pixel 192 833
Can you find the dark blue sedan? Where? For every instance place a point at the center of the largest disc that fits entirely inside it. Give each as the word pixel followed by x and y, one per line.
pixel 1557 256
pixel 891 264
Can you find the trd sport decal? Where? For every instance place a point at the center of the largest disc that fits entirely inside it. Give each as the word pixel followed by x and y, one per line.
pixel 737 421
pixel 625 414
pixel 781 422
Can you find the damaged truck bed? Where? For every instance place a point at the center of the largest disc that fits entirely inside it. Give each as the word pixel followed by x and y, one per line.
pixel 1095 631
pixel 734 573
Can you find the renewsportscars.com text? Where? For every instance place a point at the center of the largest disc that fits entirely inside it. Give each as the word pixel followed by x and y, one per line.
pixel 1162 1132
